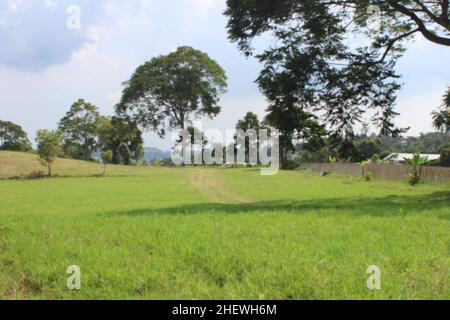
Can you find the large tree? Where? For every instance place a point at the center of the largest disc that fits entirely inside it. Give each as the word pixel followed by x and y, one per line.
pixel 170 91
pixel 441 118
pixel 296 126
pixel 13 138
pixel 249 122
pixel 79 130
pixel 312 65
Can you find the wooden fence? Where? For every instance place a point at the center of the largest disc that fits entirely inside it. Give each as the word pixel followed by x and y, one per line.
pixel 382 171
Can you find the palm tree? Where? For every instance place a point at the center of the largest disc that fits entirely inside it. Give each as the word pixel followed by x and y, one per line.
pixel 441 118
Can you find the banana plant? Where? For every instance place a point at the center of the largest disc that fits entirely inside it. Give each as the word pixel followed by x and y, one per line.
pixel 416 163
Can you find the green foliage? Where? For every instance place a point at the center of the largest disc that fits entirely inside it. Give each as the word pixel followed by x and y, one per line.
pixel 356 148
pixel 445 156
pixel 368 147
pixel 295 125
pixel 441 118
pixel 13 138
pixel 375 159
pixel 123 138
pixel 425 143
pixel 249 122
pixel 166 162
pixel 312 67
pixel 124 154
pixel 48 147
pixel 416 164
pixel 107 157
pixel 170 91
pixel 79 130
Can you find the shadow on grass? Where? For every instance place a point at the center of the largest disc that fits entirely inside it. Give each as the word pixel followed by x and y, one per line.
pixel 385 206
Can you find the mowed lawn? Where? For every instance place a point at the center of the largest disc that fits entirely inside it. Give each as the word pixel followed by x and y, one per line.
pixel 196 233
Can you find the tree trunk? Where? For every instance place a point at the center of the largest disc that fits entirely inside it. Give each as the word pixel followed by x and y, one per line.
pixel 183 143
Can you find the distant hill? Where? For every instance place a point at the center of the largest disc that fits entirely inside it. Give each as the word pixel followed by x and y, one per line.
pixel 154 153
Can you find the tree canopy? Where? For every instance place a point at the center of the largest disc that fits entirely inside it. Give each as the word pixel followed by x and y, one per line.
pixel 13 138
pixel 441 118
pixel 123 138
pixel 48 147
pixel 311 63
pixel 170 91
pixel 79 130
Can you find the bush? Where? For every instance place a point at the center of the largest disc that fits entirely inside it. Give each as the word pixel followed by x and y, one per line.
pixel 445 156
pixel 293 164
pixel 375 159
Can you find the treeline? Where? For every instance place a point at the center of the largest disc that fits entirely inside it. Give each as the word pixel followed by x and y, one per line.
pixel 81 132
pixel 363 147
pixel 169 92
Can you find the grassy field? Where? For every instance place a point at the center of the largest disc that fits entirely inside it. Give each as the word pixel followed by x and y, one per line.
pixel 14 165
pixel 196 233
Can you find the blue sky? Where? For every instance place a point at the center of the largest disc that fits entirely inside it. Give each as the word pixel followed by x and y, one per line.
pixel 45 67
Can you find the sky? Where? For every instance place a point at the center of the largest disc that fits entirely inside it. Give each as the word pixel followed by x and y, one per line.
pixel 48 60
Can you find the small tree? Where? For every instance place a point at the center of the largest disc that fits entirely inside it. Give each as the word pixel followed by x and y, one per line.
pixel 416 163
pixel 107 157
pixel 48 147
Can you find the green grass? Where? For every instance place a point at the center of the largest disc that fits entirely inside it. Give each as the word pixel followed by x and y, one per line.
pixel 223 234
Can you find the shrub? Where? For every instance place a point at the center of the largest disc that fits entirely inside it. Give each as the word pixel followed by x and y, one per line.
pixel 445 156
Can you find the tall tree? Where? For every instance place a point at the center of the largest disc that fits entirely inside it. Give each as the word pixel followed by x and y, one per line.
pixel 48 147
pixel 123 138
pixel 79 130
pixel 170 91
pixel 295 126
pixel 311 65
pixel 249 122
pixel 441 118
pixel 197 141
pixel 13 138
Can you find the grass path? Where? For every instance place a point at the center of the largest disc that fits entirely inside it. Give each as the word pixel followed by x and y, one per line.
pixel 213 188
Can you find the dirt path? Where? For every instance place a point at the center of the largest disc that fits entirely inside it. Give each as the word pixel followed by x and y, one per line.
pixel 212 188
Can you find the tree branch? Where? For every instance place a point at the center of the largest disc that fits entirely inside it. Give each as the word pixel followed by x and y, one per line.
pixel 393 41
pixel 420 24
